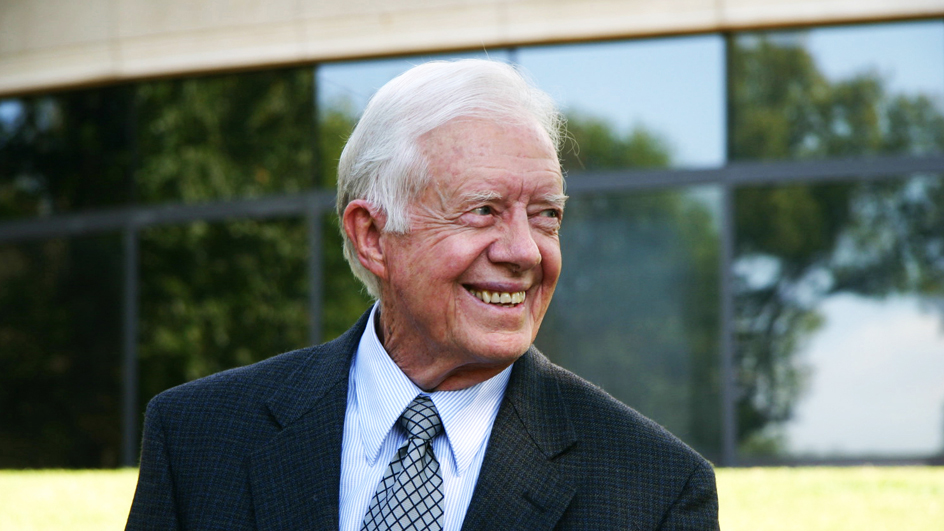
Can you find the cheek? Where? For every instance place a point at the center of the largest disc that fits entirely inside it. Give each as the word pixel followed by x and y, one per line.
pixel 459 254
pixel 550 262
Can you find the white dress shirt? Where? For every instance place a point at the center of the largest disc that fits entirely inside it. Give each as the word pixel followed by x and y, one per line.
pixel 377 395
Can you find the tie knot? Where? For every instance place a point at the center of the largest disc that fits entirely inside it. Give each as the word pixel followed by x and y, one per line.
pixel 421 420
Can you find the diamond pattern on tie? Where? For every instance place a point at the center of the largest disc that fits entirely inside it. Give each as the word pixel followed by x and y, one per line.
pixel 409 497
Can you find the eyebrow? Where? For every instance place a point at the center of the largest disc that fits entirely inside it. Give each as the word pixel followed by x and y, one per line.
pixel 557 200
pixel 481 197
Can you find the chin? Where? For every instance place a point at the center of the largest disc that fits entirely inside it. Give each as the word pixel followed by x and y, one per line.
pixel 506 348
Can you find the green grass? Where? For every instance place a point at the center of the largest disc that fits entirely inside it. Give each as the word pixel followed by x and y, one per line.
pixel 833 499
pixel 768 499
pixel 76 500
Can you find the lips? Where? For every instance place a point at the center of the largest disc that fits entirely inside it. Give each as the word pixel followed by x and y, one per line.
pixel 504 298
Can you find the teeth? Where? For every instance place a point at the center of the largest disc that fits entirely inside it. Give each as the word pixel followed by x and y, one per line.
pixel 495 297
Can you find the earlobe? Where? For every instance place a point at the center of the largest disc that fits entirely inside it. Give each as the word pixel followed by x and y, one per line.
pixel 363 223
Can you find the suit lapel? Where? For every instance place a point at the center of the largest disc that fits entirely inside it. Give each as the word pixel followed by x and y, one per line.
pixel 295 477
pixel 520 485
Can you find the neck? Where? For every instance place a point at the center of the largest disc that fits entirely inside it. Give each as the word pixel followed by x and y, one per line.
pixel 428 369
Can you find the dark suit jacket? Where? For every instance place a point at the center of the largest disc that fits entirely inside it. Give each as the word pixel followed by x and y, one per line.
pixel 259 447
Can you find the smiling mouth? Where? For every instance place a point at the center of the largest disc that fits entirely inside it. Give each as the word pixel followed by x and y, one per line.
pixel 503 298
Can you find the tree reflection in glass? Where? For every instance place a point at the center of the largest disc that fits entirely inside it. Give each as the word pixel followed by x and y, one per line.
pixel 799 244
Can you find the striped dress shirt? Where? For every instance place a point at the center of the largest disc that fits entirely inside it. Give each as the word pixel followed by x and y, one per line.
pixel 377 395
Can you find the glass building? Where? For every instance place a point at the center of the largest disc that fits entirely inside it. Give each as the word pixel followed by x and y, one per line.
pixel 753 245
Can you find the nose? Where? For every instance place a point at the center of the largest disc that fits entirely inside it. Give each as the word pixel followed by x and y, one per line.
pixel 515 244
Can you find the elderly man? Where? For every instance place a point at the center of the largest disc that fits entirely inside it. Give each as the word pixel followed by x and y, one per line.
pixel 434 411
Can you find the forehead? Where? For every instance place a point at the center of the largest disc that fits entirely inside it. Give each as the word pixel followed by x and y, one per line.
pixel 475 152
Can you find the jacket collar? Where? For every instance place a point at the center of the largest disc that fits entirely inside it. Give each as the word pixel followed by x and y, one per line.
pixel 295 477
pixel 521 486
pixel 326 367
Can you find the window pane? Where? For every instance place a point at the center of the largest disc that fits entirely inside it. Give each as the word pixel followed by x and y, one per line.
pixel 222 137
pixel 60 353
pixel 636 308
pixel 65 152
pixel 838 314
pixel 875 380
pixel 644 103
pixel 216 296
pixel 835 92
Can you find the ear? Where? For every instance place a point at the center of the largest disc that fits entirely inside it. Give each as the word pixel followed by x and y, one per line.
pixel 363 223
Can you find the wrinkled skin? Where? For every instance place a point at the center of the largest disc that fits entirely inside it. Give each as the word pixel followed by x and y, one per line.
pixel 488 221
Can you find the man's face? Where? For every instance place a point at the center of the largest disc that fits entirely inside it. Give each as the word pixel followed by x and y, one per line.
pixel 486 226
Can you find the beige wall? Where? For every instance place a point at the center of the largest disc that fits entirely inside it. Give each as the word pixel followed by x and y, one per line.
pixel 46 44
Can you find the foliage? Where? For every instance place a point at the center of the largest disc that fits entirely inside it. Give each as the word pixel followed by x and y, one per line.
pixel 797 244
pixel 212 295
pixel 66 152
pixel 594 144
pixel 345 298
pixel 635 310
pixel 60 309
pixel 219 296
pixel 59 353
pixel 60 298
pixel 222 294
pixel 222 137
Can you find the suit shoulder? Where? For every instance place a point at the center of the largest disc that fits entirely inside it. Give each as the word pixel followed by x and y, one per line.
pixel 259 378
pixel 595 412
pixel 251 382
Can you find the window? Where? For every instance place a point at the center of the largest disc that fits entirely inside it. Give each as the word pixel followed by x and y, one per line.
pixel 753 249
pixel 837 282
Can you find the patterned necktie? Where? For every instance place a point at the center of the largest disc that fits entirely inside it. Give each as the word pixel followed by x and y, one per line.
pixel 409 497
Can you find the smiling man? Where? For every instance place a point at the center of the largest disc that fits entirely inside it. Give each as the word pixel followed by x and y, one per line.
pixel 434 411
pixel 464 289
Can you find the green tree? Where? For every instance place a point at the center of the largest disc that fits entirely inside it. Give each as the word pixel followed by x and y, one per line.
pixel 636 308
pixel 871 239
pixel 60 353
pixel 65 153
pixel 223 294
pixel 60 298
pixel 345 298
pixel 212 295
pixel 594 144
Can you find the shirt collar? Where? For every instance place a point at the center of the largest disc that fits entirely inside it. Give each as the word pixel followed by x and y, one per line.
pixel 382 392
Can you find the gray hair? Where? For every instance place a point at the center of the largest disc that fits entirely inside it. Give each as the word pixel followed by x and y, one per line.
pixel 382 162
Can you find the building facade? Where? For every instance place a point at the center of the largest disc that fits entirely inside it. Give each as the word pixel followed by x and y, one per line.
pixel 753 248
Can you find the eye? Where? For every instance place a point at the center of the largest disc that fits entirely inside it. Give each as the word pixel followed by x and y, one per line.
pixel 483 211
pixel 550 213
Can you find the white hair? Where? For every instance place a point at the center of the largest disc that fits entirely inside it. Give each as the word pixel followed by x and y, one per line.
pixel 382 161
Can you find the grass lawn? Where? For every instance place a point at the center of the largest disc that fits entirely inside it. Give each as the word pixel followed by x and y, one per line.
pixel 834 499
pixel 768 499
pixel 74 500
